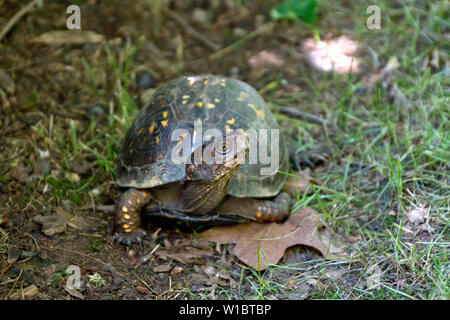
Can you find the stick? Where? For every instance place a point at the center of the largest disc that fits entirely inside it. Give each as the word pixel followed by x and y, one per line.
pixel 261 30
pixel 189 29
pixel 15 18
pixel 308 117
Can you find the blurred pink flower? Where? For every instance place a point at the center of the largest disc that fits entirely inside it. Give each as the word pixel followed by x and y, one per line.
pixel 335 54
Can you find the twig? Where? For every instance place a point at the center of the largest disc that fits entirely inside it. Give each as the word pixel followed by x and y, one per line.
pixel 189 29
pixel 15 18
pixel 76 252
pixel 308 117
pixel 260 30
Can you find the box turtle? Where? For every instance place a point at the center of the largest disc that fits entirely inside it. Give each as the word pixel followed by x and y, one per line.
pixel 227 190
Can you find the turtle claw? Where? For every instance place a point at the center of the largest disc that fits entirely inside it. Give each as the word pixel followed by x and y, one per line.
pixel 129 238
pixel 311 157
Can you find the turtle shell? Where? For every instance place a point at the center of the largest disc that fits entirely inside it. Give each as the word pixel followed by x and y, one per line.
pixel 220 103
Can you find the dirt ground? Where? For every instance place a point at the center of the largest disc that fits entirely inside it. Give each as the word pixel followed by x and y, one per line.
pixel 65 108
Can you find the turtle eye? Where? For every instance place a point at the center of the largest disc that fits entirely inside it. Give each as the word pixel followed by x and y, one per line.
pixel 223 147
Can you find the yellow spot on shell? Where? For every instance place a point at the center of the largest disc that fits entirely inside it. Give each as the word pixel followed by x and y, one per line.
pixel 126 216
pixel 205 81
pixel 258 214
pixel 227 127
pixel 164 123
pixel 240 99
pixel 184 102
pixel 231 121
pixel 165 113
pixel 157 140
pixel 151 128
pixel 199 104
pixel 128 230
pixel 259 113
pixel 144 193
pixel 210 105
pixel 124 209
pixel 140 131
pixel 216 100
pixel 133 194
pixel 186 96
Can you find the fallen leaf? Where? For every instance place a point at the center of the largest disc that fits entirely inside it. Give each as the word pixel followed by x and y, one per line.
pixel 26 293
pixel 13 255
pixel 51 225
pixel 187 256
pixel 74 292
pixel 162 268
pixel 271 240
pixel 19 173
pixel 68 37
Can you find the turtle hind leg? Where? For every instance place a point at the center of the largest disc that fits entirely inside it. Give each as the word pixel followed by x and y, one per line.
pixel 128 216
pixel 257 210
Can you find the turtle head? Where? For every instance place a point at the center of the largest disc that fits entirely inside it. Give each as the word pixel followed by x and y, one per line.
pixel 220 158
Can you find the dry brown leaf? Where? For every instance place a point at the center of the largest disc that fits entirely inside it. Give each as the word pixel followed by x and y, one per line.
pixel 272 239
pixel 27 293
pixel 74 293
pixel 51 225
pixel 186 256
pixel 162 268
pixel 68 37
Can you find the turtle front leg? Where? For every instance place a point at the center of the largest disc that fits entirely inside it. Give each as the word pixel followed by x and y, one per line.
pixel 128 216
pixel 257 210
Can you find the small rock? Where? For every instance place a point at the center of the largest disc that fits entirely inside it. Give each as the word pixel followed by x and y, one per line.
pixel 142 290
pixel 145 81
pixel 239 32
pixel 72 176
pixel 200 16
pixel 176 270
